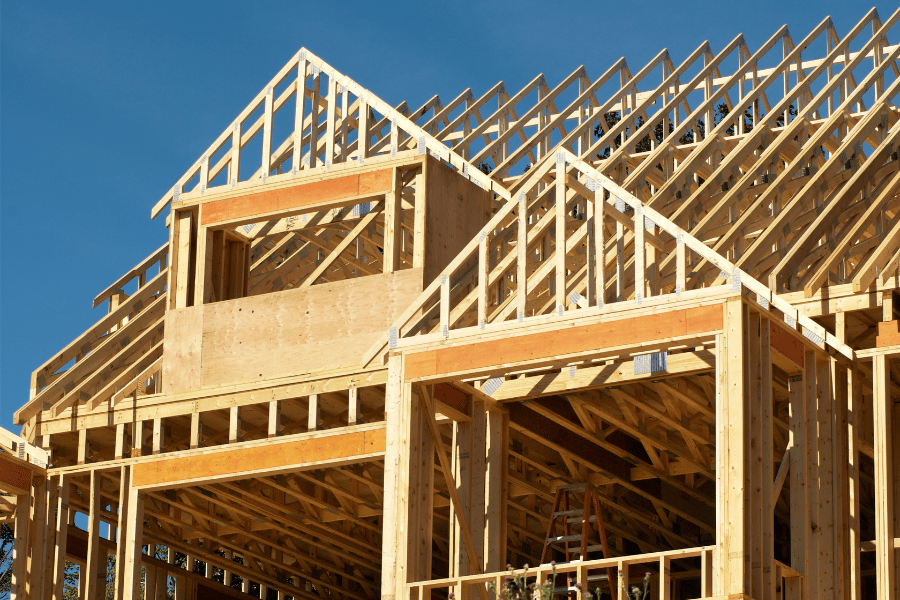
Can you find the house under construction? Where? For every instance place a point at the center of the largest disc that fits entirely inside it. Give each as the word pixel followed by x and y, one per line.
pixel 638 321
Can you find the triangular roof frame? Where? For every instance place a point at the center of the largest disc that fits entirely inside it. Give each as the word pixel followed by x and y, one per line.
pixel 300 67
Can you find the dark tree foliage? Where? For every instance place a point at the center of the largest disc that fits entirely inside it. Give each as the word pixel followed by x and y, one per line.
pixel 697 133
pixel 6 550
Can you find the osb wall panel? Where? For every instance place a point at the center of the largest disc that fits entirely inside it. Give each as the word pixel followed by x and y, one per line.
pixel 284 333
pixel 456 210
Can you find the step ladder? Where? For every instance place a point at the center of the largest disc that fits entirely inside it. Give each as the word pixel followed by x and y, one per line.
pixel 579 520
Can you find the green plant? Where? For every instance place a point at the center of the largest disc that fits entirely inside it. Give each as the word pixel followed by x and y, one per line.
pixel 636 592
pixel 516 587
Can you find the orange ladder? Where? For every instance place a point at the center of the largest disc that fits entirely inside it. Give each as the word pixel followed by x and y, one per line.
pixel 570 518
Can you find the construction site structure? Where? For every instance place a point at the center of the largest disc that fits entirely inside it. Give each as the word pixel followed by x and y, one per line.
pixel 380 341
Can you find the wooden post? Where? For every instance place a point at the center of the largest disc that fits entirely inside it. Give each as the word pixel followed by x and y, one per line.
pixel 706 574
pixel 496 482
pixel 766 450
pixel 393 567
pixel 825 523
pixel 150 575
pixel 37 533
pixel 227 575
pixel 181 260
pixel 392 229
pixel 95 572
pixel 121 542
pixel 234 425
pixel 82 579
pixel 461 466
pixel 62 528
pixel 420 217
pixel 665 578
pixel 895 468
pixel 754 473
pixel 274 418
pixel 202 292
pixel 478 483
pixel 810 393
pixel 83 446
pixel 20 547
pixel 157 435
pixel 731 567
pixel 48 552
pixel 313 416
pixel 854 420
pixel 885 567
pixel 839 458
pixel 131 580
pixel 559 238
pixel 137 438
pixel 421 495
pixel 195 430
pixel 799 526
pixel 623 581
pixel 120 440
pixel 353 416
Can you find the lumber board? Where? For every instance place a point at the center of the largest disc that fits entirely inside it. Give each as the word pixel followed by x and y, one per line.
pixel 290 453
pixel 572 340
pixel 683 363
pixel 338 191
pixel 283 334
pixel 15 475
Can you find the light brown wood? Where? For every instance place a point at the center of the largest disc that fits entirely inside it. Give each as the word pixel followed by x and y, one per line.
pixel 301 198
pixel 657 286
pixel 296 452
pixel 215 339
pixel 886 572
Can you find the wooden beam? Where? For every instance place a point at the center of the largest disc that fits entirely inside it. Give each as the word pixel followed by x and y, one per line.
pixel 571 340
pixel 252 459
pixel 332 192
pixel 680 364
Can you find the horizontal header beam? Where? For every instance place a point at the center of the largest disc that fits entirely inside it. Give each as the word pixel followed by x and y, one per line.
pixel 305 451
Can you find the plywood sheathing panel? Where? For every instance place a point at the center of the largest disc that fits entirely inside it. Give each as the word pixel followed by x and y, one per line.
pixel 456 210
pixel 181 356
pixel 285 333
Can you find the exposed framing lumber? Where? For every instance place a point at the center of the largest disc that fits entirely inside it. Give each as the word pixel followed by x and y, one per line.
pixel 676 283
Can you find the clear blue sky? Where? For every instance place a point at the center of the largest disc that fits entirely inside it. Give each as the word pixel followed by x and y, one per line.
pixel 103 105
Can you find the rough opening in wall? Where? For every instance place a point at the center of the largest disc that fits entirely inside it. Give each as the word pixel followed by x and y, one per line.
pixel 531 452
pixel 298 533
pixel 377 221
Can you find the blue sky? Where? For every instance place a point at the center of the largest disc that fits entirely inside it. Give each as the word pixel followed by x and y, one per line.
pixel 103 105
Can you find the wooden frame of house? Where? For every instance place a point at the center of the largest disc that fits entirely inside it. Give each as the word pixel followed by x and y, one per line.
pixel 364 367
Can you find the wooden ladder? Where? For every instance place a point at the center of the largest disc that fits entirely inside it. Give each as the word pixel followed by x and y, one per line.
pixel 570 517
